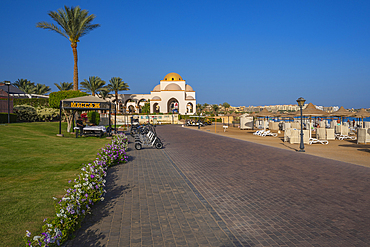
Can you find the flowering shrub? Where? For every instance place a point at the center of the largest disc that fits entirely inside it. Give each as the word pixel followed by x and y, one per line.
pixel 87 189
pixel 46 113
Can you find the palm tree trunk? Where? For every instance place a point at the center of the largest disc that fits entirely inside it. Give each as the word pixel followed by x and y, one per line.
pixel 75 68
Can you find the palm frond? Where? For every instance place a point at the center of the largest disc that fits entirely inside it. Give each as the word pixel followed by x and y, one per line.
pixel 64 86
pixel 93 85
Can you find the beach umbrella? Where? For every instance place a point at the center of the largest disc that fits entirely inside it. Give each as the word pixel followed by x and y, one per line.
pixel 311 111
pixel 341 113
pixel 362 114
pixel 264 113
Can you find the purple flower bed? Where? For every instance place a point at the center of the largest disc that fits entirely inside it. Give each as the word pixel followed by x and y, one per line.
pixel 87 189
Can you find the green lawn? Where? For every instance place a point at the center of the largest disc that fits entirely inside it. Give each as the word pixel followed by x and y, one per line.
pixel 36 165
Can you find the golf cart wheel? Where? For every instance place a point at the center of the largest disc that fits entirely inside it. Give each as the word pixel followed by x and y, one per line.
pixel 138 146
pixel 158 145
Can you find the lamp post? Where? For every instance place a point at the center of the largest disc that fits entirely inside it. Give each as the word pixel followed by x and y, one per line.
pixel 300 102
pixel 8 84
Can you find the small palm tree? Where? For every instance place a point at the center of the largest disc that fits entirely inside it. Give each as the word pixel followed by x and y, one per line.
pixel 215 108
pixel 104 92
pixel 116 84
pixel 199 108
pixel 94 85
pixel 64 86
pixel 42 89
pixel 74 24
pixel 25 85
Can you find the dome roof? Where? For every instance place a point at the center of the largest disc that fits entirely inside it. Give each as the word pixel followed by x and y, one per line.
pixel 188 88
pixel 157 88
pixel 172 77
pixel 189 97
pixel 173 87
pixel 156 98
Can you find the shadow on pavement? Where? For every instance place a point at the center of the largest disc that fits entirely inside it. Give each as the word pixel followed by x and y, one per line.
pixel 91 237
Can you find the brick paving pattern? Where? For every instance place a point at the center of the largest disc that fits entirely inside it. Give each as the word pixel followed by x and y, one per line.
pixel 274 197
pixel 150 203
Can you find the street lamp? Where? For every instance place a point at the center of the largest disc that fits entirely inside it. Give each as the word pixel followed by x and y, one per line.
pixel 8 84
pixel 300 102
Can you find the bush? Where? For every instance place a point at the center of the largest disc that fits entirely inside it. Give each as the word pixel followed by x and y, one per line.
pixel 46 114
pixel 26 113
pixel 32 102
pixel 4 117
pixel 56 97
pixel 93 117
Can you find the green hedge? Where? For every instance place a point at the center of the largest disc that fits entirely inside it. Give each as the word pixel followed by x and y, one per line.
pixel 56 97
pixel 93 117
pixel 4 117
pixel 32 102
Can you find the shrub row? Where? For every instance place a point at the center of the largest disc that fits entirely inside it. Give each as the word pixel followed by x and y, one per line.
pixel 4 117
pixel 87 189
pixel 56 97
pixel 35 102
pixel 27 113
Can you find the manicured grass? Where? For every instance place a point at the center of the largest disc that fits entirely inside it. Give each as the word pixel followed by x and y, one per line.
pixel 36 165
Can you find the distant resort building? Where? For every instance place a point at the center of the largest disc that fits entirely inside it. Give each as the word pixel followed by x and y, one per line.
pixel 171 95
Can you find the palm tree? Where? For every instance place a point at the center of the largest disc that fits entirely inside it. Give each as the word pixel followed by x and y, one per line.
pixel 215 108
pixel 42 89
pixel 64 86
pixel 25 85
pixel 116 84
pixel 104 92
pixel 199 108
pixel 74 24
pixel 93 85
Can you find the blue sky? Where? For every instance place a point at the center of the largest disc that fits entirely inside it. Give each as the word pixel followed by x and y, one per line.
pixel 240 52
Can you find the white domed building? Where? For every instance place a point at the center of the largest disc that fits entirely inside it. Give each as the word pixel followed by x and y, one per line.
pixel 171 95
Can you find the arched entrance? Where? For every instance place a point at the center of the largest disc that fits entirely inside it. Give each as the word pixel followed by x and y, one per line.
pixel 141 104
pixel 131 109
pixel 189 108
pixel 173 105
pixel 156 108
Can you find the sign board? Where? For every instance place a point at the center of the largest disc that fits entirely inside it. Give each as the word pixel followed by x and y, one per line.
pixel 85 105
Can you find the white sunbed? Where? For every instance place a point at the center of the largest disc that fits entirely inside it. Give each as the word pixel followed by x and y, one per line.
pixel 258 132
pixel 342 137
pixel 314 140
pixel 269 133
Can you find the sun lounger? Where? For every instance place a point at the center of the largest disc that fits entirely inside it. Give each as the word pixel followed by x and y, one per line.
pixel 314 140
pixel 269 133
pixel 343 137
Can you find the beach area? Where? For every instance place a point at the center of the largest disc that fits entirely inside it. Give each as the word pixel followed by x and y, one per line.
pixel 342 150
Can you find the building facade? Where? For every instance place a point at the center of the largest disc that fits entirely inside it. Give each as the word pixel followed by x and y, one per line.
pixel 171 95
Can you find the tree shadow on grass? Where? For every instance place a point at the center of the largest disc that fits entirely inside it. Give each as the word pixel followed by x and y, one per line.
pixel 91 233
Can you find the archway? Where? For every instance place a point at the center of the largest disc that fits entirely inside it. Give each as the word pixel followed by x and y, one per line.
pixel 156 108
pixel 131 109
pixel 141 104
pixel 173 105
pixel 189 108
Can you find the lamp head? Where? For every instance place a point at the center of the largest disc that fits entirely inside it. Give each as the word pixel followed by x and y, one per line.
pixel 7 83
pixel 301 101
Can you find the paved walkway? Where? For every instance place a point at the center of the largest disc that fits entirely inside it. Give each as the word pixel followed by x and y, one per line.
pixel 208 190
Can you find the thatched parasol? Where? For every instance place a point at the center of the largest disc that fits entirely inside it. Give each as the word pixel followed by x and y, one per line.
pixel 362 114
pixel 341 113
pixel 264 113
pixel 311 111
